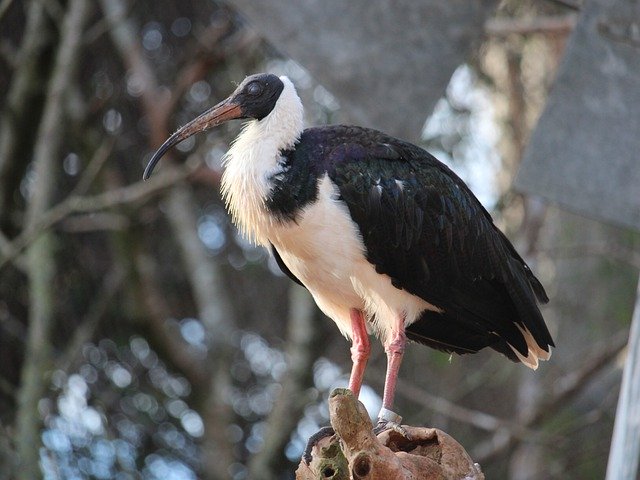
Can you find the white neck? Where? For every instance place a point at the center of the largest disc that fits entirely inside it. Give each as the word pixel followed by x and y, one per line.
pixel 254 158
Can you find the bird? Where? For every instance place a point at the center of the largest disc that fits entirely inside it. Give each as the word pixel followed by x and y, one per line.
pixel 388 240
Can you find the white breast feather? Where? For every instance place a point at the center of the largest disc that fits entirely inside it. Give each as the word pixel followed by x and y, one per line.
pixel 254 157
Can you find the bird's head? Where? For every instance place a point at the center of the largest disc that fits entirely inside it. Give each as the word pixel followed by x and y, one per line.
pixel 254 98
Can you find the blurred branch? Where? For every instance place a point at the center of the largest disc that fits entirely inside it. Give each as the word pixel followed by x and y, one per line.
pixel 4 7
pixel 571 384
pixel 55 10
pixel 21 111
pixel 103 24
pixel 559 24
pixel 565 389
pixel 572 4
pixel 124 35
pixel 11 326
pixel 201 60
pixel 617 252
pixel 89 174
pixel 130 194
pixel 41 262
pixel 8 389
pixel 7 454
pixel 215 312
pixel 91 222
pixel 204 278
pixel 302 351
pixel 18 260
pixel 208 54
pixel 8 53
pixel 507 433
pixel 476 418
pixel 166 340
pixel 86 330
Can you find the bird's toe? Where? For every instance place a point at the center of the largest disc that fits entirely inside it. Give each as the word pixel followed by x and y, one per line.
pixel 384 425
pixel 389 420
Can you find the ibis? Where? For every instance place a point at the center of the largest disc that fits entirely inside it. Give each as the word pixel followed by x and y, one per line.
pixel 388 240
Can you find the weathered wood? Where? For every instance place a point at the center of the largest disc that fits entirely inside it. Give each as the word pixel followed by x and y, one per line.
pixel 356 452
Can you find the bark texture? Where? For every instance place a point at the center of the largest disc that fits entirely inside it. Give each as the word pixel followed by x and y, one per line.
pixel 355 452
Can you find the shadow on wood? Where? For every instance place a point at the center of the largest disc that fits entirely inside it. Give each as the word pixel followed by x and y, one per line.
pixel 355 452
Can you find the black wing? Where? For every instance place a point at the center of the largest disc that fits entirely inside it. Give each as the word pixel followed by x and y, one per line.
pixel 424 228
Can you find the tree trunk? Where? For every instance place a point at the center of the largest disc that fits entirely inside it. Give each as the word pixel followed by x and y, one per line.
pixel 40 256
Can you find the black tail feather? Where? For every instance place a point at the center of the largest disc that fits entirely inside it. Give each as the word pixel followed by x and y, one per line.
pixel 450 334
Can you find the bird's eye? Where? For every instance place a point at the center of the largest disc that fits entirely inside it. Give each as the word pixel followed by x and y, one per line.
pixel 254 88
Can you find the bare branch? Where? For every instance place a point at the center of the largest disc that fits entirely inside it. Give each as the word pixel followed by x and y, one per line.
pixel 124 35
pixel 168 342
pixel 16 123
pixel 204 277
pixel 100 156
pixel 200 61
pixel 565 389
pixel 572 4
pixel 569 385
pixel 4 7
pixel 137 192
pixel 613 251
pixel 302 351
pixel 40 257
pixel 84 333
pixel 7 246
pixel 507 433
pixel 103 25
pixel 560 24
pixel 476 418
pixel 99 221
pixel 8 461
pixel 11 326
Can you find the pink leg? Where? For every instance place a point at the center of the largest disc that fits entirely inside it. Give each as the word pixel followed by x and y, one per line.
pixel 359 350
pixel 394 348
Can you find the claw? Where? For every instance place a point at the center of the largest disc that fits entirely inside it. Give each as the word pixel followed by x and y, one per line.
pixel 389 420
pixel 315 438
pixel 384 425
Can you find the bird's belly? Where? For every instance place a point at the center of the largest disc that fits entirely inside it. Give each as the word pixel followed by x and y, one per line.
pixel 324 250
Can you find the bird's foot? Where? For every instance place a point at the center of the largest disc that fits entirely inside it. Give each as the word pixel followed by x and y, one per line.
pixel 315 438
pixel 389 420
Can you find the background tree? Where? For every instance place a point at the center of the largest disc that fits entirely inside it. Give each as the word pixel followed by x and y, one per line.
pixel 141 337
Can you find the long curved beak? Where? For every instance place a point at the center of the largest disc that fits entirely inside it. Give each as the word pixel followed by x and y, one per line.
pixel 222 112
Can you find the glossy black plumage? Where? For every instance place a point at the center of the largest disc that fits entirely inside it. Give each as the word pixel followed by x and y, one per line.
pixel 424 228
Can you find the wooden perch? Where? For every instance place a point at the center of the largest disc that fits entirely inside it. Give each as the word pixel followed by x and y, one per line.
pixel 355 452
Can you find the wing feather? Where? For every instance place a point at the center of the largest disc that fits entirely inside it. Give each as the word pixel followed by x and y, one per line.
pixel 424 228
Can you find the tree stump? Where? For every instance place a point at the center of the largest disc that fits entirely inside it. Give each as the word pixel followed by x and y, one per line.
pixel 355 452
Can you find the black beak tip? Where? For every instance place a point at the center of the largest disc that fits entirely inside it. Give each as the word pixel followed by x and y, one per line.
pixel 147 172
pixel 157 156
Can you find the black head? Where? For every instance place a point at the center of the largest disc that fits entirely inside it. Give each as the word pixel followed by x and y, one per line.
pixel 254 98
pixel 257 95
